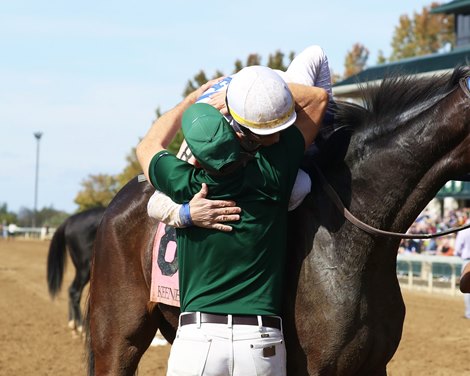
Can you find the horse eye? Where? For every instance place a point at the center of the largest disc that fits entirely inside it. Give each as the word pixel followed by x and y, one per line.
pixel 468 82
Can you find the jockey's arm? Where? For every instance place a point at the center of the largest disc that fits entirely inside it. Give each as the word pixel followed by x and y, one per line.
pixel 202 211
pixel 310 104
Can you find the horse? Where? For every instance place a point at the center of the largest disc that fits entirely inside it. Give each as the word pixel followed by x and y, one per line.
pixel 343 309
pixel 77 234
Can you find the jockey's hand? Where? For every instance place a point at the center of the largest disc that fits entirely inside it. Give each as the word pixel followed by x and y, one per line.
pixel 210 213
pixel 192 97
pixel 217 100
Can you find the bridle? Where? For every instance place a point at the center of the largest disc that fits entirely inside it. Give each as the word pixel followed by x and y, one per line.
pixel 372 230
pixel 464 84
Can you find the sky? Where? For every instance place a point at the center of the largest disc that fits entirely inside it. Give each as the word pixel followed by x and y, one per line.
pixel 89 75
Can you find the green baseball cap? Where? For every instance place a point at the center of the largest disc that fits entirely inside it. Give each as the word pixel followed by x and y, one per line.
pixel 210 137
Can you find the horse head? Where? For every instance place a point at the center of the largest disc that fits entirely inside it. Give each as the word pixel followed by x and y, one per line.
pixel 411 137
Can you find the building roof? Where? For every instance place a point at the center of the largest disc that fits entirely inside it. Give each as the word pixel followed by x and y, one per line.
pixel 422 65
pixel 456 6
pixel 427 64
pixel 455 189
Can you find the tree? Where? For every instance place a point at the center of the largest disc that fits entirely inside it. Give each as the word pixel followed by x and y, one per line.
pixel 276 61
pixel 423 34
pixel 355 60
pixel 199 79
pixel 238 66
pixel 131 170
pixel 47 216
pixel 381 59
pixel 6 216
pixel 253 59
pixel 335 77
pixel 98 190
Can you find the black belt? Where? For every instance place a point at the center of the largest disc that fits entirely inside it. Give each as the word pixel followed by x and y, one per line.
pixel 211 318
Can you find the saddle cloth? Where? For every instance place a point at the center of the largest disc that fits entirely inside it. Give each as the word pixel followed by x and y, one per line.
pixel 164 287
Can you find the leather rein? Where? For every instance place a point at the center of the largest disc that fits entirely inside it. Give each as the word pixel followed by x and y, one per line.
pixel 464 84
pixel 372 230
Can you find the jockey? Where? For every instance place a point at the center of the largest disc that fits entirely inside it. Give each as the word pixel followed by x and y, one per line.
pixel 309 68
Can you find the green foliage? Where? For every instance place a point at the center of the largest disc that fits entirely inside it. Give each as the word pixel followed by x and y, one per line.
pixel 131 170
pixel 423 33
pixel 253 59
pixel 381 59
pixel 238 66
pixel 176 143
pixel 355 60
pixel 7 216
pixel 276 61
pixel 47 216
pixel 50 217
pixel 98 190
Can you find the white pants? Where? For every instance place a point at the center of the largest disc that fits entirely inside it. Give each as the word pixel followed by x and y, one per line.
pixel 223 350
pixel 310 67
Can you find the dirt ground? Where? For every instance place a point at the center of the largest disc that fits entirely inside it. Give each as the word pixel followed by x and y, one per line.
pixel 35 340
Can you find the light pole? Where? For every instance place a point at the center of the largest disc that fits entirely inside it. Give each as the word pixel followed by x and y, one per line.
pixel 38 136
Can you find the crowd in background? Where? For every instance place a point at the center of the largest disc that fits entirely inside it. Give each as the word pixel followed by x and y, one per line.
pixel 430 222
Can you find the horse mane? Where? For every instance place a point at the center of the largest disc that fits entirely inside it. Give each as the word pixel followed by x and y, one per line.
pixel 395 100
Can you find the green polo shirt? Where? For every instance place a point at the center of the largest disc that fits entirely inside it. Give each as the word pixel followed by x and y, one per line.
pixel 242 271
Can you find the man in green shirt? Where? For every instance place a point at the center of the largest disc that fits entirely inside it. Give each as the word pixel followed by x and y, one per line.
pixel 230 283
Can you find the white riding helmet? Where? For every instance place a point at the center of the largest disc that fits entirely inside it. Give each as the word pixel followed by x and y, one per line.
pixel 259 99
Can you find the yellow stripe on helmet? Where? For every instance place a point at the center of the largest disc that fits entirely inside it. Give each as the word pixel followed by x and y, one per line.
pixel 265 124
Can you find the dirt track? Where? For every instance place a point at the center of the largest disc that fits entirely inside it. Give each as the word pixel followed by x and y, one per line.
pixel 34 339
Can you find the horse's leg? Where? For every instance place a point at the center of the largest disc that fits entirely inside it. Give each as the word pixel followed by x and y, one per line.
pixel 122 323
pixel 71 323
pixel 82 276
pixel 169 322
pixel 122 327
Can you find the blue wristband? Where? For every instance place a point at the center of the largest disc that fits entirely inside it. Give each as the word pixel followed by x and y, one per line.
pixel 185 216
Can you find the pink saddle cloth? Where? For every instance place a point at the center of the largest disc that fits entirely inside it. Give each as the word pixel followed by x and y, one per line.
pixel 164 287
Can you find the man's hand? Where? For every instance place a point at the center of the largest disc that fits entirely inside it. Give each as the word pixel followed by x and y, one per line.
pixel 210 213
pixel 217 100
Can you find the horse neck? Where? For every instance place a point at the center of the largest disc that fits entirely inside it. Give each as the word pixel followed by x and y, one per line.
pixel 406 167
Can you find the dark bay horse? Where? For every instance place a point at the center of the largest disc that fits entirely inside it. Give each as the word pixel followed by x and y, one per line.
pixel 344 311
pixel 77 234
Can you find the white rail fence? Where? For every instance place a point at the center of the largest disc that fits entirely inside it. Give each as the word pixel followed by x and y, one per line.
pixel 434 274
pixel 42 233
pixel 429 273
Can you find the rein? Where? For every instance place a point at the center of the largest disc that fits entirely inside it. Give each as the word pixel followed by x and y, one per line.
pixel 464 84
pixel 372 230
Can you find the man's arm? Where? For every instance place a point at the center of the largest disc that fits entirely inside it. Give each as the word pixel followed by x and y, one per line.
pixel 203 212
pixel 164 129
pixel 310 104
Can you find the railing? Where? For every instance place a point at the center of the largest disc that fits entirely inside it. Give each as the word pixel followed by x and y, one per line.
pixel 34 233
pixel 429 273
